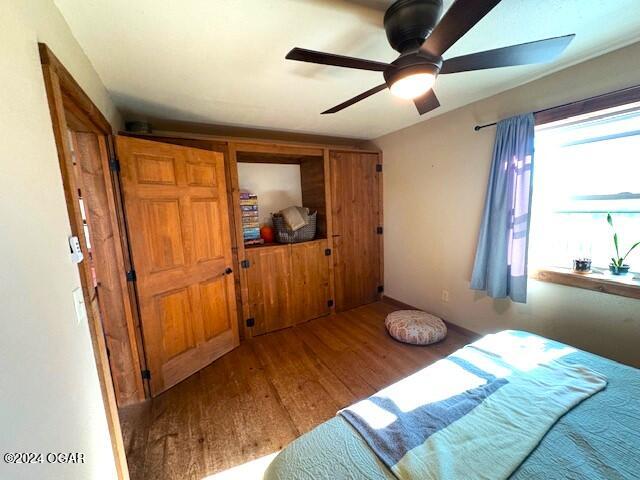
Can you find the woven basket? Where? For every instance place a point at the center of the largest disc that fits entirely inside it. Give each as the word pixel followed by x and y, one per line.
pixel 285 235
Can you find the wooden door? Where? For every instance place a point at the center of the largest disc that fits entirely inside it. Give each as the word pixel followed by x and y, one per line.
pixel 269 285
pixel 310 280
pixel 355 204
pixel 176 209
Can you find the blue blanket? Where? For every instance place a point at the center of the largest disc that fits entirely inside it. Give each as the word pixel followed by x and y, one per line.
pixel 494 400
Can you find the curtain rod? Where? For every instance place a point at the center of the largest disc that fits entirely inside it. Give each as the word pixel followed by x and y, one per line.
pixel 477 128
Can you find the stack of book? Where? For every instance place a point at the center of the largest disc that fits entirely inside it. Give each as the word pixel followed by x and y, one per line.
pixel 250 220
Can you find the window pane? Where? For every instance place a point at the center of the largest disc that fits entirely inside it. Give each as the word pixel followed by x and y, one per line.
pixel 582 171
pixel 599 168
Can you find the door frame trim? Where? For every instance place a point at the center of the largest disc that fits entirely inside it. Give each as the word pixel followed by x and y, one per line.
pixel 71 107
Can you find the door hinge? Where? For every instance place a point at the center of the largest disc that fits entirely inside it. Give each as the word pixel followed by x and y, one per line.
pixel 380 288
pixel 131 276
pixel 327 252
pixel 379 230
pixel 245 263
pixel 251 322
pixel 378 167
pixel 114 164
pixel 330 303
pixel 146 374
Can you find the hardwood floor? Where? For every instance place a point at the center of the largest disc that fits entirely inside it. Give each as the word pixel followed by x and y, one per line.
pixel 267 392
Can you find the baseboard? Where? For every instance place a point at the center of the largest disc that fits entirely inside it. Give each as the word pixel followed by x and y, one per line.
pixel 452 326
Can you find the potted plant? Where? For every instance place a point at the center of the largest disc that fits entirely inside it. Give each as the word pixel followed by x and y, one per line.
pixel 617 266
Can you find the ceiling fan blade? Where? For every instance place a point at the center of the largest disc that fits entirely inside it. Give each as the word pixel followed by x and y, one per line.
pixel 426 102
pixel 356 99
pixel 312 56
pixel 524 54
pixel 458 20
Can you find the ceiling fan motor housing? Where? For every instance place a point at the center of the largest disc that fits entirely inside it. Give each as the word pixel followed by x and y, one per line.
pixel 408 22
pixel 410 65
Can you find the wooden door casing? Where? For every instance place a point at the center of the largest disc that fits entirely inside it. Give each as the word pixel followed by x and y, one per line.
pixel 92 179
pixel 176 210
pixel 355 194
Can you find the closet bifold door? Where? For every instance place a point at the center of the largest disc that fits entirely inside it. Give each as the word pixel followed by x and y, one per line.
pixel 355 205
pixel 287 284
pixel 269 286
pixel 310 271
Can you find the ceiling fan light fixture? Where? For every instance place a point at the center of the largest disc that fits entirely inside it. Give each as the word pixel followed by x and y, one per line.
pixel 410 80
pixel 413 29
pixel 413 85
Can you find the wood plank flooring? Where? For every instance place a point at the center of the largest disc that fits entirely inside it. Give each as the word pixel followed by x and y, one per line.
pixel 267 392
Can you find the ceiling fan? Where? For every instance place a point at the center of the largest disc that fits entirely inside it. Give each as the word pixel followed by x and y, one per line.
pixel 412 31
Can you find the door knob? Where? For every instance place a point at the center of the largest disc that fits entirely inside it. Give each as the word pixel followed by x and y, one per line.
pixel 227 271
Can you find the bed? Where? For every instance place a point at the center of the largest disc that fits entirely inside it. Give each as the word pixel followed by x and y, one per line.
pixel 597 439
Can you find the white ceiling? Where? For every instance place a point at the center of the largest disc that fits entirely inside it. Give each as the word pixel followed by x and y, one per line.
pixel 222 61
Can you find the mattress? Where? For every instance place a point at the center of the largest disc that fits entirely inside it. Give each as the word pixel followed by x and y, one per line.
pixel 598 439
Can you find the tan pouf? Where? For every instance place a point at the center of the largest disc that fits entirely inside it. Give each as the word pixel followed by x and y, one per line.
pixel 415 327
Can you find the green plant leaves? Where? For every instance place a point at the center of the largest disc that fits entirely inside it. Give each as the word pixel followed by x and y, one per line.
pixel 618 261
pixel 630 250
pixel 615 235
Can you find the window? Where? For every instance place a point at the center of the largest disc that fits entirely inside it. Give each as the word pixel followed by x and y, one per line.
pixel 586 167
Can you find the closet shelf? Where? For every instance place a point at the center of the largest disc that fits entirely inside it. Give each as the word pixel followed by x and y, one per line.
pixel 276 244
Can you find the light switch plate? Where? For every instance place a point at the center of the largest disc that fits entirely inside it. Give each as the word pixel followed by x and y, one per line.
pixel 78 303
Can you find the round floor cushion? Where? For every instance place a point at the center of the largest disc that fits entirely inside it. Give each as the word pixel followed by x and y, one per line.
pixel 415 327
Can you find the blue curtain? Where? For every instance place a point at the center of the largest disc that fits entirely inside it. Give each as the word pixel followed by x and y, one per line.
pixel 500 266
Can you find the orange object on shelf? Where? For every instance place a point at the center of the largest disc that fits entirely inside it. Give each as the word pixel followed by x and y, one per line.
pixel 266 233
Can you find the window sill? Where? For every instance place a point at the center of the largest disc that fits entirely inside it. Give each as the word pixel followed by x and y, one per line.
pixel 623 285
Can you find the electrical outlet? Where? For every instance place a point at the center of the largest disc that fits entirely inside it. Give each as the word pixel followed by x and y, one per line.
pixel 445 296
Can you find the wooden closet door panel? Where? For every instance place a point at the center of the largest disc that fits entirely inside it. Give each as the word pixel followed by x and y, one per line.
pixel 269 287
pixel 356 216
pixel 176 209
pixel 310 280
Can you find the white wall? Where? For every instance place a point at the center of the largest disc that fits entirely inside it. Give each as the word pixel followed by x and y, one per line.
pixel 277 186
pixel 50 397
pixel 435 178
